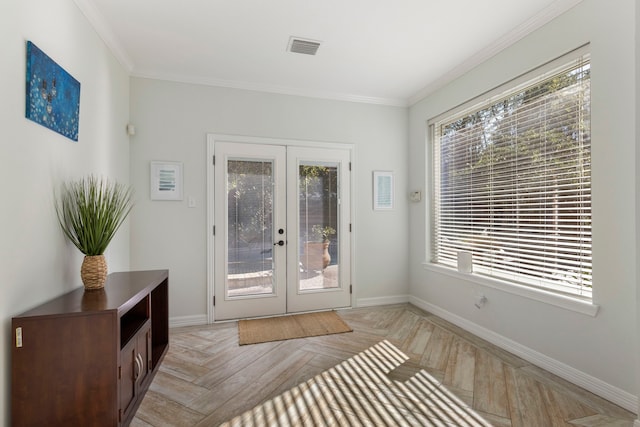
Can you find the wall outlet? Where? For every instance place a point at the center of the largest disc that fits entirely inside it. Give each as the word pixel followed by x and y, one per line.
pixel 481 300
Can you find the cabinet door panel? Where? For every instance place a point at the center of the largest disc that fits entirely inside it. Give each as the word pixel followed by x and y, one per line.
pixel 136 369
pixel 127 378
pixel 143 350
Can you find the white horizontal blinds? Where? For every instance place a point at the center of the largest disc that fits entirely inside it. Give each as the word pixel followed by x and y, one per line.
pixel 513 184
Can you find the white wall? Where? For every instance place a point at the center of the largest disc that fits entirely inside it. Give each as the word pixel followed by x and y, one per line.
pixel 172 121
pixel 603 348
pixel 637 235
pixel 36 261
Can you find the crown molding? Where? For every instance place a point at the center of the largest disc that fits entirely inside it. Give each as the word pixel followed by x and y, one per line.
pixel 282 90
pixel 543 17
pixel 104 32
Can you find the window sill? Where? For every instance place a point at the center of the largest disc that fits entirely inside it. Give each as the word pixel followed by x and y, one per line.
pixel 566 302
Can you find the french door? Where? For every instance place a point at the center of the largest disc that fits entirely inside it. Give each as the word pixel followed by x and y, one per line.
pixel 282 229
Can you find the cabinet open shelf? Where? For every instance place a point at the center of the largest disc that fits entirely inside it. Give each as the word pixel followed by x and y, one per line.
pixel 132 320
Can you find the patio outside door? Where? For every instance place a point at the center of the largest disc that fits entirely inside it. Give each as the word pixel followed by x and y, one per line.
pixel 282 239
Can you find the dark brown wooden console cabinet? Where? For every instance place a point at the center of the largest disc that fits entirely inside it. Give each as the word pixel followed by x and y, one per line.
pixel 87 358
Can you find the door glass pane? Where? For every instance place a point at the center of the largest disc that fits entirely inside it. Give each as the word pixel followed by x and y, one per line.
pixel 250 228
pixel 319 232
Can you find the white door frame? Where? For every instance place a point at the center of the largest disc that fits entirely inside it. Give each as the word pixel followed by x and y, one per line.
pixel 211 139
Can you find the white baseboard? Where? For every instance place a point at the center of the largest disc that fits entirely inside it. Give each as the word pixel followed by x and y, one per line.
pixel 370 302
pixel 613 394
pixel 176 322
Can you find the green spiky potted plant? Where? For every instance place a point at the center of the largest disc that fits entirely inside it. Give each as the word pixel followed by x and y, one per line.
pixel 90 211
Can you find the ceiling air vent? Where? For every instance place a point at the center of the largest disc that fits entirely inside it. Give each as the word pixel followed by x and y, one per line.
pixel 304 46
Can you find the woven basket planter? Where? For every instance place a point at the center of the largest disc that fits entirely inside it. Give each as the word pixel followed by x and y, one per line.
pixel 93 272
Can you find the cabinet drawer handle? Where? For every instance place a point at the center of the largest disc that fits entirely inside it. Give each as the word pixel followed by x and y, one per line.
pixel 141 363
pixel 138 370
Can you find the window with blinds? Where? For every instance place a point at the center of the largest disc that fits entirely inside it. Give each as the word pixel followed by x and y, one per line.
pixel 512 182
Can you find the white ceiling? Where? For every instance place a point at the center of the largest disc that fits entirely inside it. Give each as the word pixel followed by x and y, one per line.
pixel 379 51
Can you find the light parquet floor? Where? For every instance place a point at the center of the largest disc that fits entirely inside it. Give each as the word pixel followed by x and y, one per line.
pixel 207 379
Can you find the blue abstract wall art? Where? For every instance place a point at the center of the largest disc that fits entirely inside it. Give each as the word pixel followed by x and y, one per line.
pixel 53 95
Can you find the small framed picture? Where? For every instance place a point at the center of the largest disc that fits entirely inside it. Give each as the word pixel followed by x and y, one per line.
pixel 382 190
pixel 166 180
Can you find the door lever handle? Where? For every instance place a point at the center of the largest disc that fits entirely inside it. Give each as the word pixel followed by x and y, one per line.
pixel 279 243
